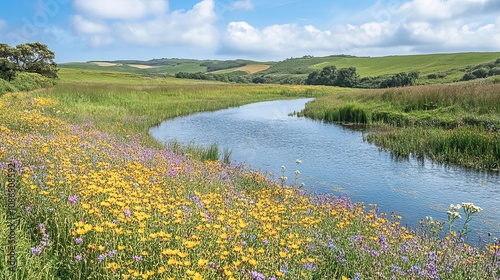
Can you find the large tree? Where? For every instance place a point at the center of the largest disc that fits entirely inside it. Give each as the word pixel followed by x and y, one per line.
pixel 7 66
pixel 30 57
pixel 36 58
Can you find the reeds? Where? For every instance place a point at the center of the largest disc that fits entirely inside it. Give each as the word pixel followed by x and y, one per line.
pixel 454 123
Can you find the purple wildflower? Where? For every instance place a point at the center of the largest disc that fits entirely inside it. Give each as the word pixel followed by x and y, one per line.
pixel 36 250
pixel 396 268
pixel 41 227
pixel 73 199
pixel 78 240
pixel 257 276
pixel 101 257
pixel 404 248
pixel 432 256
pixel 112 253
pixel 127 213
pixel 78 257
pixel 357 276
pixel 138 258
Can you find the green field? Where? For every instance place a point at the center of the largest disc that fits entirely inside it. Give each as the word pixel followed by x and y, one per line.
pixel 168 69
pixel 451 67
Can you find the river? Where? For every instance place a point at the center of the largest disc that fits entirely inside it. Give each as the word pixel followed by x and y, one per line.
pixel 336 160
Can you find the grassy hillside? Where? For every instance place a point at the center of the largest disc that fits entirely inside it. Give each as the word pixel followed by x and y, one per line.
pixel 164 65
pixel 452 65
pixel 447 67
pixel 136 68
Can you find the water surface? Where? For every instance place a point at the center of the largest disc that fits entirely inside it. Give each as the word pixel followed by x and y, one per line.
pixel 336 160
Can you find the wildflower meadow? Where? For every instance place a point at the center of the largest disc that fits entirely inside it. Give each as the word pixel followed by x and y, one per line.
pixel 90 204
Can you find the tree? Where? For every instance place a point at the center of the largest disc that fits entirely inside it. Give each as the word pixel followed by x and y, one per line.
pixel 347 77
pixel 31 57
pixel 312 78
pixel 7 66
pixel 328 76
pixel 36 58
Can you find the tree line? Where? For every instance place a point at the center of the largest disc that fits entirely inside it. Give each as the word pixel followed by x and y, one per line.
pixel 30 57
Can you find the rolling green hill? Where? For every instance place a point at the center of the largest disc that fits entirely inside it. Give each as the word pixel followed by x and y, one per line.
pixel 442 67
pixel 453 65
pixel 161 66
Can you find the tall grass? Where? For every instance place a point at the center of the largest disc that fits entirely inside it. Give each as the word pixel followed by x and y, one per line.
pixel 199 152
pixel 452 123
pixel 130 104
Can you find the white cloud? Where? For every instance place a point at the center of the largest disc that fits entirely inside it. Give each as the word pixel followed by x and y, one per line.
pixel 83 25
pixel 442 10
pixel 242 5
pixel 411 27
pixel 121 9
pixel 192 27
pixel 241 37
pixel 454 36
pixel 3 24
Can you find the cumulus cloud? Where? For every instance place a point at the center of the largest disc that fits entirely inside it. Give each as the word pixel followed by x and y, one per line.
pixel 410 26
pixel 453 25
pixel 121 9
pixel 243 37
pixel 192 27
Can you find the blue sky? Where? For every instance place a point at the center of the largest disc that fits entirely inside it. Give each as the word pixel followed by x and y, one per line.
pixel 83 30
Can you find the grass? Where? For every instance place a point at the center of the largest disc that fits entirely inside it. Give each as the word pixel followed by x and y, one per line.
pixel 452 65
pixel 190 67
pixel 94 204
pixel 130 104
pixel 454 123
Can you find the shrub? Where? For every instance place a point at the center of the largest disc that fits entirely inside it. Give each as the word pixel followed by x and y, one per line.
pixel 468 76
pixel 6 87
pixel 481 72
pixel 30 81
pixel 494 71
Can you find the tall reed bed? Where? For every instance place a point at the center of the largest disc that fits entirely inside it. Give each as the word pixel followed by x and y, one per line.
pixel 97 205
pixel 454 123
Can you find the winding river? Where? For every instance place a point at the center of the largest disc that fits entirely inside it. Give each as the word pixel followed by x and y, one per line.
pixel 337 160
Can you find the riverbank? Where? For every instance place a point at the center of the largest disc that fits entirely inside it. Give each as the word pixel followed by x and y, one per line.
pixel 452 124
pixel 97 201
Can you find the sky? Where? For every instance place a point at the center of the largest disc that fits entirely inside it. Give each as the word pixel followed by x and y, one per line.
pixel 262 30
